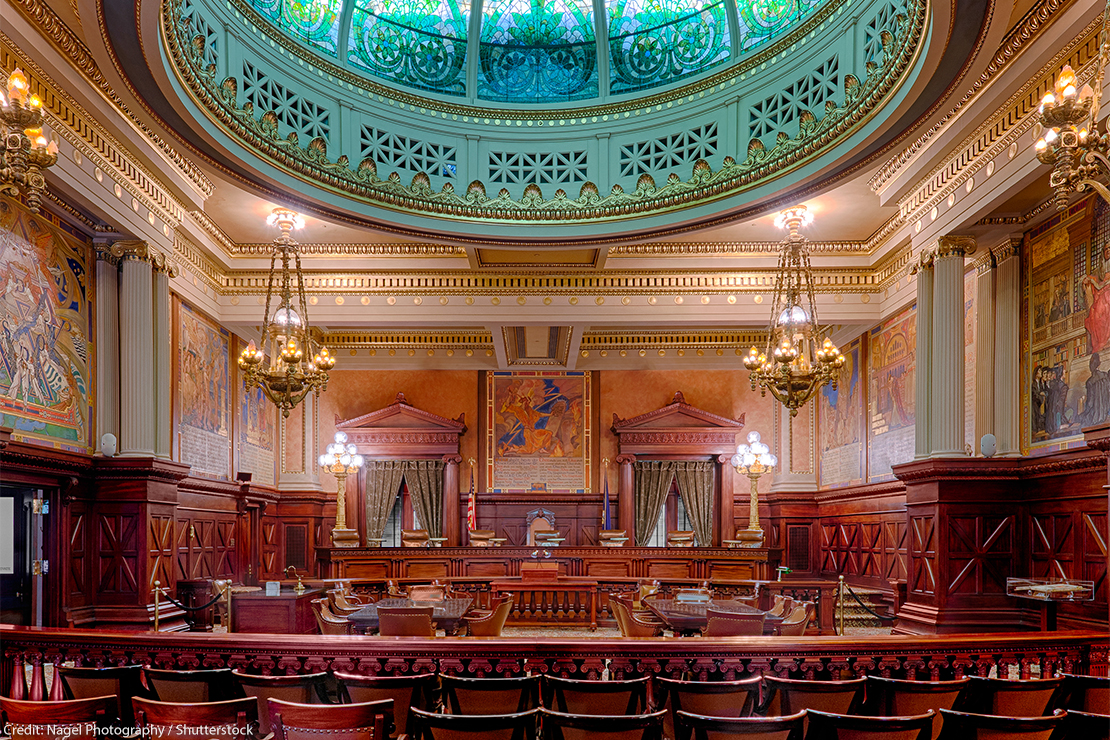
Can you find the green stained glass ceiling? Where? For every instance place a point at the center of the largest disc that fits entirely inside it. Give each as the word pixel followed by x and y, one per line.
pixel 533 51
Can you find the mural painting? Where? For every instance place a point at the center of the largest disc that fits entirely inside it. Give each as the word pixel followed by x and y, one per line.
pixel 1067 324
pixel 45 325
pixel 840 414
pixel 257 431
pixel 890 357
pixel 538 431
pixel 203 394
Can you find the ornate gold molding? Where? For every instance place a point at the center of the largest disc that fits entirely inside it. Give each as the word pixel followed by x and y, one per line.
pixel 955 245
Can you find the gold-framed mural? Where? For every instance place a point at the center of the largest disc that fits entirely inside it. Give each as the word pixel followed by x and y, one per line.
pixel 840 423
pixel 1066 327
pixel 891 354
pixel 46 322
pixel 256 428
pixel 538 431
pixel 202 393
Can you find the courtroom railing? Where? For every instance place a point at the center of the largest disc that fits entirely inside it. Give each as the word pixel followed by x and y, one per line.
pixel 26 651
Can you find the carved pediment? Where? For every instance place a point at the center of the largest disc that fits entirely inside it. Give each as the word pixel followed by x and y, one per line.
pixel 677 427
pixel 402 429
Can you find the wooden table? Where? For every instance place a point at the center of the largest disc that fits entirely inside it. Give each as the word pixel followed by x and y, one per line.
pixel 288 613
pixel 544 609
pixel 445 614
pixel 690 617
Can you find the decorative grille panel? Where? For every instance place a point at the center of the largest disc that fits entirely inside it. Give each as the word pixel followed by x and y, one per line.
pixel 198 26
pixel 540 168
pixel 669 153
pixel 779 113
pixel 303 116
pixel 413 155
pixel 797 547
pixel 296 546
pixel 885 20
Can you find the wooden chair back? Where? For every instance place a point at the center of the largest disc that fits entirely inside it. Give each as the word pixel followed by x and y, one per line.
pixel 612 537
pixel 339 605
pixel 795 622
pixel 780 605
pixel 1009 698
pixel 546 537
pixel 1090 694
pixel 234 719
pixel 328 622
pixel 415 538
pixel 789 696
pixel 406 621
pixel 71 719
pixel 482 537
pixel 575 696
pixel 1086 726
pixel 701 727
pixel 431 726
pixel 827 726
pixel 489 695
pixel 301 688
pixel 490 625
pixel 968 726
pixel 630 624
pixel 680 538
pixel 364 721
pixel 216 684
pixel 892 697
pixel 428 592
pixel 706 698
pixel 121 682
pixel 564 726
pixel 726 624
pixel 405 691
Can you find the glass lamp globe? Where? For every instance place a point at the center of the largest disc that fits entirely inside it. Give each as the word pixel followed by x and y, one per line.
pixel 753 437
pixel 345 459
pixel 749 460
pixel 341 437
pixel 351 449
pixel 737 461
pixel 357 461
pixel 287 317
pixel 794 316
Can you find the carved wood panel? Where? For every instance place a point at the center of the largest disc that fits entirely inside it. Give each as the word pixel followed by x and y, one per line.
pixel 923 555
pixel 1094 552
pixel 271 549
pixel 894 550
pixel 160 542
pixel 77 570
pixel 981 553
pixel 206 546
pixel 117 536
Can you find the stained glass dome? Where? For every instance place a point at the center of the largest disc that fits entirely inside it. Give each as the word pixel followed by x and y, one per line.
pixel 532 51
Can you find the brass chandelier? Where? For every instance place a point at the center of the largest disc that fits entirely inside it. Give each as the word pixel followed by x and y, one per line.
pixel 795 364
pixel 26 152
pixel 282 368
pixel 1071 142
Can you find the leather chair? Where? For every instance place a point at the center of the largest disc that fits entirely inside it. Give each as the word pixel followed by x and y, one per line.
pixel 431 726
pixel 612 537
pixel 561 726
pixel 428 591
pixel 338 604
pixel 633 624
pixel 791 727
pixel 302 688
pixel 1007 698
pixel 546 537
pixel 892 697
pixel 1086 726
pixel 121 682
pixel 828 726
pixel 216 684
pixel 489 624
pixel 482 537
pixel 693 595
pixel 74 719
pixel 680 538
pixel 575 696
pixel 234 719
pixel 406 691
pixel 784 696
pixel 646 588
pixel 489 695
pixel 406 621
pixel 329 623
pixel 730 624
pixel 365 721
pixel 966 726
pixel 795 623
pixel 415 538
pixel 1089 694
pixel 780 605
pixel 708 698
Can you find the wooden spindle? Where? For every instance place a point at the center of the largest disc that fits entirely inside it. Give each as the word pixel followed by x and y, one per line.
pixel 56 693
pixel 37 690
pixel 18 689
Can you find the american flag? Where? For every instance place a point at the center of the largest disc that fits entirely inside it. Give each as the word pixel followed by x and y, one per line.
pixel 471 512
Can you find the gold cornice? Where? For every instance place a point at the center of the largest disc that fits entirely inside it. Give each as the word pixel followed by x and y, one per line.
pixel 701 340
pixel 465 339
pixel 411 249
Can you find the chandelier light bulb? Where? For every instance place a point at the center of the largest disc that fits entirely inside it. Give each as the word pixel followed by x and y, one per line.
pixel 357 461
pixel 17 86
pixel 753 437
pixel 341 437
pixel 345 460
pixel 324 461
pixel 1050 135
pixel 749 460
pixel 737 461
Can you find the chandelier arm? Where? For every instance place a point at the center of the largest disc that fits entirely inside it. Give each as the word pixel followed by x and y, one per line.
pixel 308 342
pixel 1096 186
pixel 269 298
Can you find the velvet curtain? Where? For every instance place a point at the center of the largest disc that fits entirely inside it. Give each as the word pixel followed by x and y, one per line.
pixel 653 482
pixel 695 486
pixel 382 482
pixel 425 480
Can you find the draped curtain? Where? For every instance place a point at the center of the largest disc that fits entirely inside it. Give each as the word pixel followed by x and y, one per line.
pixel 653 482
pixel 695 486
pixel 425 480
pixel 382 482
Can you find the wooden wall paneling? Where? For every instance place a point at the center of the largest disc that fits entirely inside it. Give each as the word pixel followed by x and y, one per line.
pixel 271 548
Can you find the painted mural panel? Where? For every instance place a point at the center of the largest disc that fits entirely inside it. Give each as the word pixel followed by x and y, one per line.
pixel 203 394
pixel 840 421
pixel 890 357
pixel 45 325
pixel 1067 327
pixel 538 431
pixel 257 434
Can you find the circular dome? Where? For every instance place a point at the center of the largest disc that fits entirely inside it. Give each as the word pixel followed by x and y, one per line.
pixel 532 51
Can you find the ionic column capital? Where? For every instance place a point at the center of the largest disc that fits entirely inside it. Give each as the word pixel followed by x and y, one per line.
pixel 104 253
pixel 923 262
pixel 1010 247
pixel 141 250
pixel 953 245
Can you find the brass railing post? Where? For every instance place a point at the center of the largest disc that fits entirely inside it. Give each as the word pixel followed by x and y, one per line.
pixel 840 605
pixel 157 609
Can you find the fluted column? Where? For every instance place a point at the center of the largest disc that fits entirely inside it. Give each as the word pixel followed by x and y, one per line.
pixel 1007 348
pixel 984 351
pixel 947 402
pixel 107 344
pixel 163 352
pixel 136 334
pixel 923 361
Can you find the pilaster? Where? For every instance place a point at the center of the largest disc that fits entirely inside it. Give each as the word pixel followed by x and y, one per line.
pixel 984 350
pixel 947 395
pixel 163 352
pixel 107 344
pixel 626 497
pixel 923 363
pixel 136 329
pixel 299 440
pixel 1007 348
pixel 794 435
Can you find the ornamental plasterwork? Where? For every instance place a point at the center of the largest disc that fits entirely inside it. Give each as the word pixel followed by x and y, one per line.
pixel 311 161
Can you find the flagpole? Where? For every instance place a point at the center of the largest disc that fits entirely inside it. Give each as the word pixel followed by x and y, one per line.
pixel 471 508
pixel 607 522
